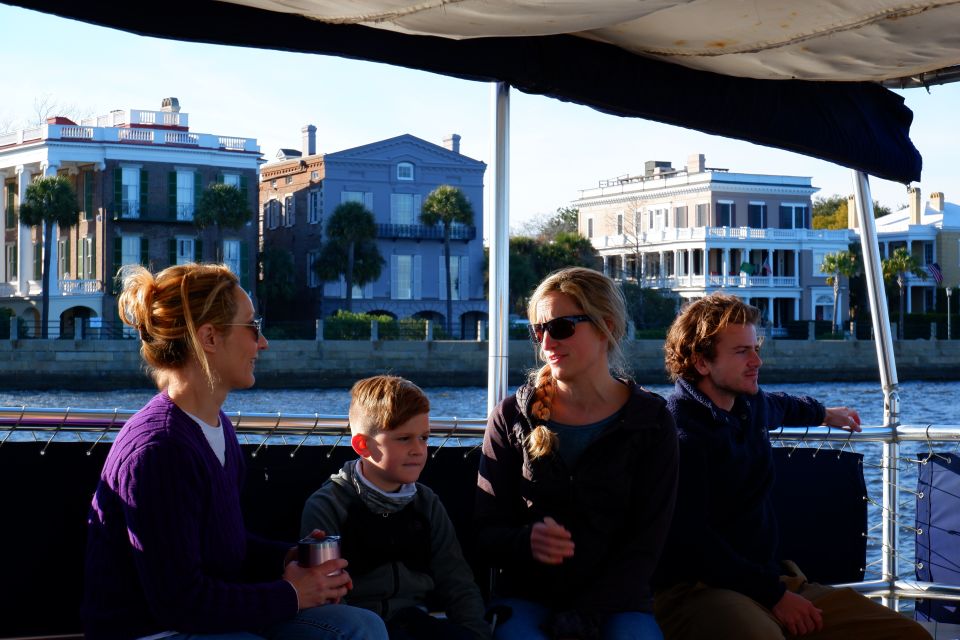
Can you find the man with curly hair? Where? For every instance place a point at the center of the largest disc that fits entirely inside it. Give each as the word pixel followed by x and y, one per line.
pixel 720 576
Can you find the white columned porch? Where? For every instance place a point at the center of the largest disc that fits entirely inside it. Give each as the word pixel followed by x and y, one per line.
pixel 725 269
pixel 24 237
pixel 606 266
pixel 690 265
pixel 796 265
pixel 770 310
pixel 796 308
pixel 769 261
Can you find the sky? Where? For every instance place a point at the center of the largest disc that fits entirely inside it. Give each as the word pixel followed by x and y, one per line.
pixel 556 148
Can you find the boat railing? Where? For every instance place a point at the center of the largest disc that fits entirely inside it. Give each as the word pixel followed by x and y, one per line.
pixel 98 426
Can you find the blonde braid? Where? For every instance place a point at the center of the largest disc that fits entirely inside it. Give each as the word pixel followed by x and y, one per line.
pixel 542 441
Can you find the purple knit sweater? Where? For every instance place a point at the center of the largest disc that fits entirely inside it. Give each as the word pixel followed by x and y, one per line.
pixel 167 549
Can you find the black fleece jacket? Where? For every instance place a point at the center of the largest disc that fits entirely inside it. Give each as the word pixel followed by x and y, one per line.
pixel 617 503
pixel 724 531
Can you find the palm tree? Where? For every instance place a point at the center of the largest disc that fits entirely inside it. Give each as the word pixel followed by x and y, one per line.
pixel 447 205
pixel 51 202
pixel 842 263
pixel 222 205
pixel 898 266
pixel 350 250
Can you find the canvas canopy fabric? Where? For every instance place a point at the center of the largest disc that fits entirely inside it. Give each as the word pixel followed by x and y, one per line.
pixel 798 75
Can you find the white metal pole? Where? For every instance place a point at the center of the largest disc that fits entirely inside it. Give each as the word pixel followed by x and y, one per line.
pixel 498 345
pixel 873 271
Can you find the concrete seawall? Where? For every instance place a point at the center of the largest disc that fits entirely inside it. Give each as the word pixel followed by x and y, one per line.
pixel 113 364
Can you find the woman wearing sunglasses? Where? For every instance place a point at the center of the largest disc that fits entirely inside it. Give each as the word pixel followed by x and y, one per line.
pixel 167 552
pixel 577 477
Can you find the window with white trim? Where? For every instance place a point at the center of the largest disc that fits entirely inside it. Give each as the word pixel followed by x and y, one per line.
pixel 405 208
pixel 757 215
pixel 363 197
pixel 405 277
pixel 272 213
pixel 231 255
pixel 703 214
pixel 404 171
pixel 460 283
pixel 185 249
pixel 725 213
pixel 11 262
pixel 794 216
pixel 185 191
pixel 129 249
pixel 130 181
pixel 86 259
pixel 289 211
pixel 314 206
pixel 232 179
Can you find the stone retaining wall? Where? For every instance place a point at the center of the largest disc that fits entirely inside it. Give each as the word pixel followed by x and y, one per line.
pixel 111 364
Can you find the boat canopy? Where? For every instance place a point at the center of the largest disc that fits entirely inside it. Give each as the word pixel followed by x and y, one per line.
pixel 797 75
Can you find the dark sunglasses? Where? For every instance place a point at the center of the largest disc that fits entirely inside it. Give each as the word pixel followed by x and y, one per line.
pixel 256 324
pixel 558 328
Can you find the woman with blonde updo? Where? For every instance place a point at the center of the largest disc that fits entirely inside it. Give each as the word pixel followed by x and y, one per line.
pixel 578 475
pixel 167 552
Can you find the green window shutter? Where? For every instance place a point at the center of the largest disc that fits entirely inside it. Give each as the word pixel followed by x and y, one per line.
pixel 198 250
pixel 197 189
pixel 66 259
pixel 243 188
pixel 88 195
pixel 144 192
pixel 219 178
pixel 94 258
pixel 173 251
pixel 172 195
pixel 16 263
pixel 244 265
pixel 37 260
pixel 77 262
pixel 144 252
pixel 117 263
pixel 117 192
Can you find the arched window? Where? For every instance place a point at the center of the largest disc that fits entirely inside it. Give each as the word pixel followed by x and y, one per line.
pixel 404 171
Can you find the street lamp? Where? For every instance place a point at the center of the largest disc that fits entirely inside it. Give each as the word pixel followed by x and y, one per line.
pixel 949 291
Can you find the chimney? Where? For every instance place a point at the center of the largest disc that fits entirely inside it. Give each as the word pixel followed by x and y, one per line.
pixel 696 163
pixel 852 222
pixel 170 105
pixel 915 203
pixel 936 201
pixel 452 142
pixel 309 140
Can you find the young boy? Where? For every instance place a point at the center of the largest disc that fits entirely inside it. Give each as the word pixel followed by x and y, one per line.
pixel 395 533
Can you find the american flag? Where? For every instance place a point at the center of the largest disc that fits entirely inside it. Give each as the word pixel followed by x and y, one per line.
pixel 935 271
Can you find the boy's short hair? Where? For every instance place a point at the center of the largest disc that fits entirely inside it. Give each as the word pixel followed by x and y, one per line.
pixel 382 403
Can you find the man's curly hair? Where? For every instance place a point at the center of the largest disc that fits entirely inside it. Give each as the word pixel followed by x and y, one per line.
pixel 694 332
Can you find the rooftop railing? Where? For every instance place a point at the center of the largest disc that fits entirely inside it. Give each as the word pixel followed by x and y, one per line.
pixel 103 133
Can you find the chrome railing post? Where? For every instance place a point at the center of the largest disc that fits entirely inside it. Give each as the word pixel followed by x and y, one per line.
pixel 873 272
pixel 499 249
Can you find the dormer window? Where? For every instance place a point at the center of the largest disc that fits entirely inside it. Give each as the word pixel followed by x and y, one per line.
pixel 404 171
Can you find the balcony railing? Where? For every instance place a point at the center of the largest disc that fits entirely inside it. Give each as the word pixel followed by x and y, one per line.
pixel 80 287
pixel 674 234
pixel 424 232
pixel 106 129
pixel 702 282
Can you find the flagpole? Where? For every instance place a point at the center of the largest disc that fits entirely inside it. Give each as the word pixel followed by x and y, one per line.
pixel 949 291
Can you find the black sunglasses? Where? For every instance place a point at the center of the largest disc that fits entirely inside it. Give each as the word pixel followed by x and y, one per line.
pixel 559 328
pixel 256 324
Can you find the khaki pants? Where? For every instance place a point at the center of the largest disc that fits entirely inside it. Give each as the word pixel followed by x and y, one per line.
pixel 696 611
